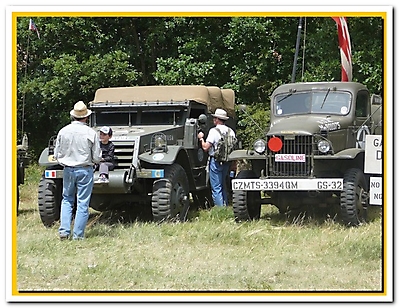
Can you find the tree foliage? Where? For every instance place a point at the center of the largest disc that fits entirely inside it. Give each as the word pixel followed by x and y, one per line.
pixel 252 55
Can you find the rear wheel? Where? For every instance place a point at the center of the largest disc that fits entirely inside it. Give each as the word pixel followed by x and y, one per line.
pixel 170 195
pixel 354 198
pixel 246 204
pixel 49 200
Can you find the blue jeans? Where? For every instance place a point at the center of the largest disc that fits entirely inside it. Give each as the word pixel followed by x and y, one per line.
pixel 218 175
pixel 77 181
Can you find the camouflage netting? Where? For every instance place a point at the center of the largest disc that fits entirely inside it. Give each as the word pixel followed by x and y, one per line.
pixel 213 97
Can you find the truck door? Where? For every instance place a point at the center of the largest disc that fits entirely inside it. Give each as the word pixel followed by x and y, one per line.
pixel 362 119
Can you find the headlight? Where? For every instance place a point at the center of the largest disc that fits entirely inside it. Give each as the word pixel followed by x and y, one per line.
pixel 159 142
pixel 260 146
pixel 323 146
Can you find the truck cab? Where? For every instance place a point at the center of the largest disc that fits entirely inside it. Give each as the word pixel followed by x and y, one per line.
pixel 313 152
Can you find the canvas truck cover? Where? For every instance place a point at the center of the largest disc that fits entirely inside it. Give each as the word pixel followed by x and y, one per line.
pixel 213 97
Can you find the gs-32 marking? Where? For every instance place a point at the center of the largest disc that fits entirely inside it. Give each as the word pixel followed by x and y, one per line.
pixel 287 184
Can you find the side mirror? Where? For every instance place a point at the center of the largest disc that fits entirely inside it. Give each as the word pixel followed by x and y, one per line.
pixel 376 99
pixel 242 107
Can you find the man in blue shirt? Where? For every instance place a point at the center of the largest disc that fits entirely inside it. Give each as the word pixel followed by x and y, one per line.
pixel 77 148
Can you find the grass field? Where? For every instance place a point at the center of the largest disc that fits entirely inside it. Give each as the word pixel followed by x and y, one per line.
pixel 210 252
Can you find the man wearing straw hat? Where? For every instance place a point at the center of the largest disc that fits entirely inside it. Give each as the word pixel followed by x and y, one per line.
pixel 77 148
pixel 218 171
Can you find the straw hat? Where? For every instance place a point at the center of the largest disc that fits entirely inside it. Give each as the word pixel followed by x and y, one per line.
pixel 221 114
pixel 80 110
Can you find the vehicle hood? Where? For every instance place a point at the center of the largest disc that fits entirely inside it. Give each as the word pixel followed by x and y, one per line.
pixel 126 133
pixel 306 124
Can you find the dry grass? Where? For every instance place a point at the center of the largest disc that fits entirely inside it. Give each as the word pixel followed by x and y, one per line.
pixel 209 253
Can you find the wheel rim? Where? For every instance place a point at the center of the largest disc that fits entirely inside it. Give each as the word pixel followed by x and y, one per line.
pixel 177 198
pixel 360 202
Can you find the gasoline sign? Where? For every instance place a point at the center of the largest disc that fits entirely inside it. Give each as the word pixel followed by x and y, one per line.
pixel 373 154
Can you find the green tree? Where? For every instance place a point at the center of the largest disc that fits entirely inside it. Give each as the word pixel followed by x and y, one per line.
pixel 252 55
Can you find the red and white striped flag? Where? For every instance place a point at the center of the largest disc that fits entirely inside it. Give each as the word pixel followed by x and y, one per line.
pixel 32 27
pixel 345 48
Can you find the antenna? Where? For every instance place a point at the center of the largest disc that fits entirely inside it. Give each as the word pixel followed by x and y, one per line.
pixel 303 51
pixel 298 39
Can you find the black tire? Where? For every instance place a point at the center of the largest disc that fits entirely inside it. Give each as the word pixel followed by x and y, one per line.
pixel 354 198
pixel 246 204
pixel 49 200
pixel 170 195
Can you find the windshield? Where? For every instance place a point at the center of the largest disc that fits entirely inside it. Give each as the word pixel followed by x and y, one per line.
pixel 138 117
pixel 326 102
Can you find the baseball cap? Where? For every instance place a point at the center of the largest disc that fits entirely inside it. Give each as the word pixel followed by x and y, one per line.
pixel 106 130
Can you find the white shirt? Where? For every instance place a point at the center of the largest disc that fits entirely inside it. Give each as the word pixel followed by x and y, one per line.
pixel 77 145
pixel 214 136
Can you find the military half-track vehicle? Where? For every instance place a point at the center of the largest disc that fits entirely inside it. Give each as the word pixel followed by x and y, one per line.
pixel 313 152
pixel 161 166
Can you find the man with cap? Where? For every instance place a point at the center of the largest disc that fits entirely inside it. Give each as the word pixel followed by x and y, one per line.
pixel 108 154
pixel 77 149
pixel 218 171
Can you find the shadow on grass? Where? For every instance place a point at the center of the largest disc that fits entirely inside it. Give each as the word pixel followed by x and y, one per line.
pixel 314 216
pixel 124 214
pixel 22 212
pixel 300 217
pixel 311 216
pixel 128 213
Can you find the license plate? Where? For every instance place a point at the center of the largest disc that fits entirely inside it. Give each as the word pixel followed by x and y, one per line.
pixel 53 174
pixel 287 184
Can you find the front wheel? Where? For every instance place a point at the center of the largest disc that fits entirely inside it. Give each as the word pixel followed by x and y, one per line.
pixel 49 200
pixel 246 204
pixel 170 195
pixel 354 198
pixel 17 199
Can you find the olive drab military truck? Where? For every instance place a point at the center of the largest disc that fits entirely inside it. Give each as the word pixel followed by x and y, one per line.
pixel 313 152
pixel 161 166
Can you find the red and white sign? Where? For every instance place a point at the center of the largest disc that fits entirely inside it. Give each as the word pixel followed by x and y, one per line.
pixel 292 158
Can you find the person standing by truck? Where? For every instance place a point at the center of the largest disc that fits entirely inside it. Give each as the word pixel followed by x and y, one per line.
pixel 77 149
pixel 218 171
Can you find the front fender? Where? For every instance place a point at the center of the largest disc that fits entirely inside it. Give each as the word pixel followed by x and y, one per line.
pixel 351 153
pixel 245 154
pixel 47 160
pixel 162 158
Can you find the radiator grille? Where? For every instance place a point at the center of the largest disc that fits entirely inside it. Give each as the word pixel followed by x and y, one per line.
pixel 124 154
pixel 292 145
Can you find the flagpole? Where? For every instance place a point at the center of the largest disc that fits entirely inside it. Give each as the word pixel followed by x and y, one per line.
pixel 24 92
